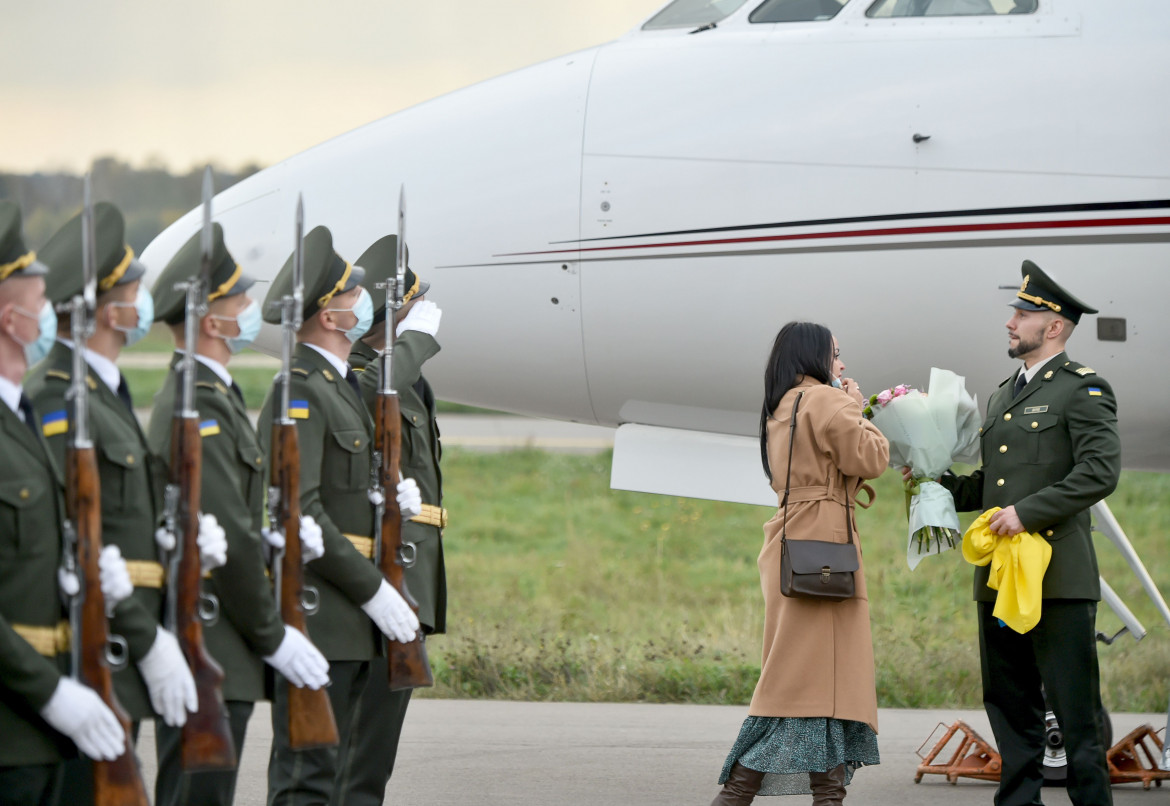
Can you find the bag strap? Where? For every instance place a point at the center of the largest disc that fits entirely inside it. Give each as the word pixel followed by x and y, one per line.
pixel 788 479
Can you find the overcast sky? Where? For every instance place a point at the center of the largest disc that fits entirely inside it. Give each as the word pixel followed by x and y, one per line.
pixel 238 81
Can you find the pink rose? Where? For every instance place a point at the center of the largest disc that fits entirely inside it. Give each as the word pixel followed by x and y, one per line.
pixel 901 389
pixel 884 397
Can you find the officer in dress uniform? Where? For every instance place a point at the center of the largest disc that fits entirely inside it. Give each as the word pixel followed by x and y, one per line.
pixel 156 680
pixel 39 705
pixel 234 481
pixel 1050 451
pixel 335 433
pixel 367 759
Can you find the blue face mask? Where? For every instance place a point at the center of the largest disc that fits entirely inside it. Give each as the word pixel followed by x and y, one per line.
pixel 363 309
pixel 248 321
pixel 144 305
pixel 39 347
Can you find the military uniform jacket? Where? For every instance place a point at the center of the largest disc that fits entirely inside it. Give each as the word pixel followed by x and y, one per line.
pixel 131 479
pixel 234 484
pixel 427 578
pixel 31 509
pixel 1052 452
pixel 335 436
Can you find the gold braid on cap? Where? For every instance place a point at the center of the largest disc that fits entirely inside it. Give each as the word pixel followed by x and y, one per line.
pixel 340 284
pixel 111 279
pixel 410 293
pixel 22 262
pixel 1034 299
pixel 226 285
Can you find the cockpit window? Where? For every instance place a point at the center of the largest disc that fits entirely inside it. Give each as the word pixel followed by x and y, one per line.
pixel 796 10
pixel 949 8
pixel 692 13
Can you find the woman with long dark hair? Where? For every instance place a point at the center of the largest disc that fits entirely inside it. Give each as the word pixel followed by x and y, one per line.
pixel 813 717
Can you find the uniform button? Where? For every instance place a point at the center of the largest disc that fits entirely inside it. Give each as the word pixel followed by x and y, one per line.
pixel 259 460
pixel 1003 448
pixel 129 458
pixel 24 494
pixel 999 483
pixel 1007 416
pixel 1048 533
pixel 1035 424
pixel 414 418
pixel 357 443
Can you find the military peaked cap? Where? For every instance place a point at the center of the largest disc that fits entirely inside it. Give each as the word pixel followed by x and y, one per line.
pixel 227 277
pixel 116 264
pixel 1039 292
pixel 16 260
pixel 327 274
pixel 380 262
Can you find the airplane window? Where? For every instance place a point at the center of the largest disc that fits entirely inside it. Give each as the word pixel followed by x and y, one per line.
pixel 796 11
pixel 949 8
pixel 692 13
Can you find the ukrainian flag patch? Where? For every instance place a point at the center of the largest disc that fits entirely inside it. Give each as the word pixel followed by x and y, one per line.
pixel 298 409
pixel 208 428
pixel 1094 391
pixel 55 422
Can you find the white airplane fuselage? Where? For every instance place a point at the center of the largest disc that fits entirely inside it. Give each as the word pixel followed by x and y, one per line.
pixel 615 236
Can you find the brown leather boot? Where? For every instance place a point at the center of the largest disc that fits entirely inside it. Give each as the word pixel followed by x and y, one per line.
pixel 828 788
pixel 740 788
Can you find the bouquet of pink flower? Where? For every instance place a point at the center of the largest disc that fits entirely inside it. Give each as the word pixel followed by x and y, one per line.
pixel 929 433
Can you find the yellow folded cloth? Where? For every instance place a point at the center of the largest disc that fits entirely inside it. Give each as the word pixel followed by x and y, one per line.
pixel 1018 564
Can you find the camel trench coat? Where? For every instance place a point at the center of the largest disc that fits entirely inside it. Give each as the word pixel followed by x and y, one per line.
pixel 818 655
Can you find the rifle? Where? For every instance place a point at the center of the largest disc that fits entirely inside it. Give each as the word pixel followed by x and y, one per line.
pixel 310 714
pixel 206 736
pixel 117 782
pixel 409 667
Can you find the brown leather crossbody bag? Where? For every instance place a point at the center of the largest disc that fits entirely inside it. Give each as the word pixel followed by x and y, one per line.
pixel 815 569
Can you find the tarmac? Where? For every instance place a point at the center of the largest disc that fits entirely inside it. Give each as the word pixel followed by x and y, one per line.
pixel 492 753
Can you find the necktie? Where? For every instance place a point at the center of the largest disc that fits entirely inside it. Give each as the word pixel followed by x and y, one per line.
pixel 351 379
pixel 124 392
pixel 27 414
pixel 1021 382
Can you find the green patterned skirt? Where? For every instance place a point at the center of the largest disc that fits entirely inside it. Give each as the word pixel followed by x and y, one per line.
pixel 787 749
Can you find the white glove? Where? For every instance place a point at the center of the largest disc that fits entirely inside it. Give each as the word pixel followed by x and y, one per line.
pixel 169 681
pixel 312 541
pixel 115 579
pixel 79 713
pixel 423 316
pixel 392 614
pixel 409 498
pixel 212 543
pixel 301 663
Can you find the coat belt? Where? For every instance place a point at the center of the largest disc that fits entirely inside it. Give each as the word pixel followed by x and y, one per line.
pixel 817 493
pixel 364 545
pixel 432 515
pixel 145 573
pixel 47 641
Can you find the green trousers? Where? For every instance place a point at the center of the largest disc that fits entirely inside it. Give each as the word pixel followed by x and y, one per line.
pixel 368 749
pixel 33 785
pixel 308 777
pixel 173 787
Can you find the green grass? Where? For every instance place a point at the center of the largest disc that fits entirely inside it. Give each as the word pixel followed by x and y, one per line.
pixel 561 589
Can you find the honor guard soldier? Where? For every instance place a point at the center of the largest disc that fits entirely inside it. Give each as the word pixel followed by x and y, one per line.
pixel 156 680
pixel 249 630
pixel 369 754
pixel 39 702
pixel 335 434
pixel 1050 451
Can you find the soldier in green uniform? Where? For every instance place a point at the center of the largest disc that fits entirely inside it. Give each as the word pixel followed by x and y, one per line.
pixel 367 758
pixel 156 680
pixel 1050 451
pixel 335 432
pixel 39 705
pixel 249 631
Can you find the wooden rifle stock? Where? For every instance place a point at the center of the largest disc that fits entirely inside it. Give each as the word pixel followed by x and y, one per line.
pixel 409 667
pixel 310 714
pixel 117 782
pixel 206 736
